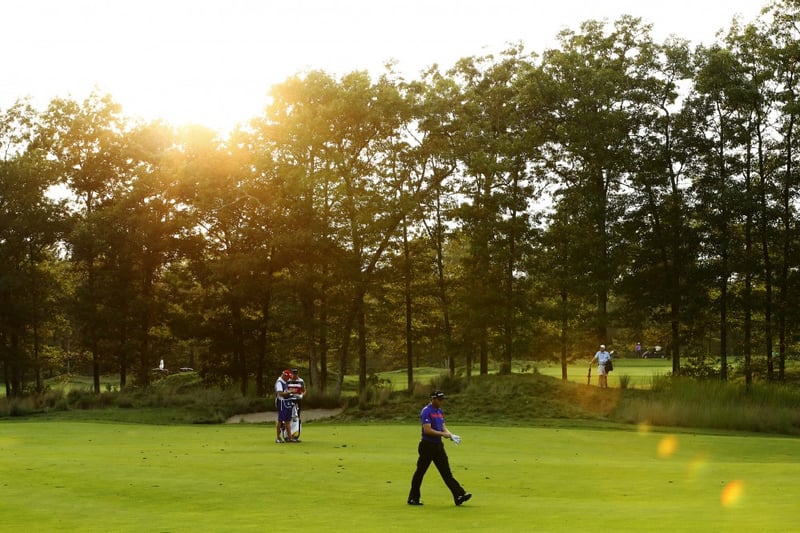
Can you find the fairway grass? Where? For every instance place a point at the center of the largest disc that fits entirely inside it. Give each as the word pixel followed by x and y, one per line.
pixel 640 373
pixel 84 476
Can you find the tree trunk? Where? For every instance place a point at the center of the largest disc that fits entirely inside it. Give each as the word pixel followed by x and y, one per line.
pixel 362 348
pixel 563 336
pixel 323 341
pixel 407 297
pixel 442 287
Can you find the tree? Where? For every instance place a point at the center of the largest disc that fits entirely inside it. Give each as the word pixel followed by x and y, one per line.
pixel 224 208
pixel 151 228
pixel 293 139
pixel 369 120
pixel 31 224
pixel 784 56
pixel 751 47
pixel 661 243
pixel 86 142
pixel 429 157
pixel 495 186
pixel 590 148
pixel 721 100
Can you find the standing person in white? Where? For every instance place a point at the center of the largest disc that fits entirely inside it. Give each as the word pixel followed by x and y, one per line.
pixel 602 357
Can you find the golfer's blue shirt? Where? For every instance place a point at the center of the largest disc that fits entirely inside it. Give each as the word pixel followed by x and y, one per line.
pixel 434 417
pixel 602 356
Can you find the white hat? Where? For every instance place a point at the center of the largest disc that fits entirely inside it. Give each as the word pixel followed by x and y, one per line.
pixel 603 346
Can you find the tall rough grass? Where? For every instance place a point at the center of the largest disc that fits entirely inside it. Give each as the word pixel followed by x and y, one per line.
pixel 50 400
pixel 714 404
pixel 182 394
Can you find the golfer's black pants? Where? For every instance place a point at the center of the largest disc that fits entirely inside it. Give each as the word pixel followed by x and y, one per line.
pixel 433 452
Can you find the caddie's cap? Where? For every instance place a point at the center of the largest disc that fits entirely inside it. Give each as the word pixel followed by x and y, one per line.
pixel 439 395
pixel 287 373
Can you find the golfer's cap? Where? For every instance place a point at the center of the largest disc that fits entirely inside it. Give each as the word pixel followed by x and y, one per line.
pixel 295 370
pixel 287 372
pixel 439 395
pixel 602 345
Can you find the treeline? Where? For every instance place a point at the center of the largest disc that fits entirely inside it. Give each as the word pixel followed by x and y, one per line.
pixel 516 207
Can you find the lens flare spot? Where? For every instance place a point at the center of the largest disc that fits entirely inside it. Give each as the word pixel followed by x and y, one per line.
pixel 667 446
pixel 732 493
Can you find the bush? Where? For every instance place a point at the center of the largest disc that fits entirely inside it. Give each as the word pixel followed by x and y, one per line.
pixel 377 392
pixel 702 368
pixel 321 400
pixel 54 399
pixel 447 384
pixel 80 399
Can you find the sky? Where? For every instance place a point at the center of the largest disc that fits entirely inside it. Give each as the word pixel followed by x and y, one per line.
pixel 212 62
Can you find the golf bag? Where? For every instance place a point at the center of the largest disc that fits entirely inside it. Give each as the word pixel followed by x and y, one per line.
pixel 292 433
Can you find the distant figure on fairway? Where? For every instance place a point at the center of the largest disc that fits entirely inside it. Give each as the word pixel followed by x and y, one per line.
pixel 638 349
pixel 602 357
pixel 283 403
pixel 431 449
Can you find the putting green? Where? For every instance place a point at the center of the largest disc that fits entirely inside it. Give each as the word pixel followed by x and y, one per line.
pixel 79 476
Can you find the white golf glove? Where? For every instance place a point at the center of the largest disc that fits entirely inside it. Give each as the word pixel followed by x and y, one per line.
pixel 456 439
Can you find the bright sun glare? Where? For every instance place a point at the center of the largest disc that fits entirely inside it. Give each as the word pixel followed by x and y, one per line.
pixel 213 62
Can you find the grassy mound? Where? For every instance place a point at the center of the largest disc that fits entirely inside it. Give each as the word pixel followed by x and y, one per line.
pixel 515 399
pixel 530 399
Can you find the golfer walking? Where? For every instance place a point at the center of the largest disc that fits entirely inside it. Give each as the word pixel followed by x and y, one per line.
pixel 431 450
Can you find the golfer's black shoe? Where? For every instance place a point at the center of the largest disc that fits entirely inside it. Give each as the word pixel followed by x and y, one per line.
pixel 414 502
pixel 463 498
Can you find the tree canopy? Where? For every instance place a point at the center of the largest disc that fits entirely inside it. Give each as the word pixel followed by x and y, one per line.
pixel 514 208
